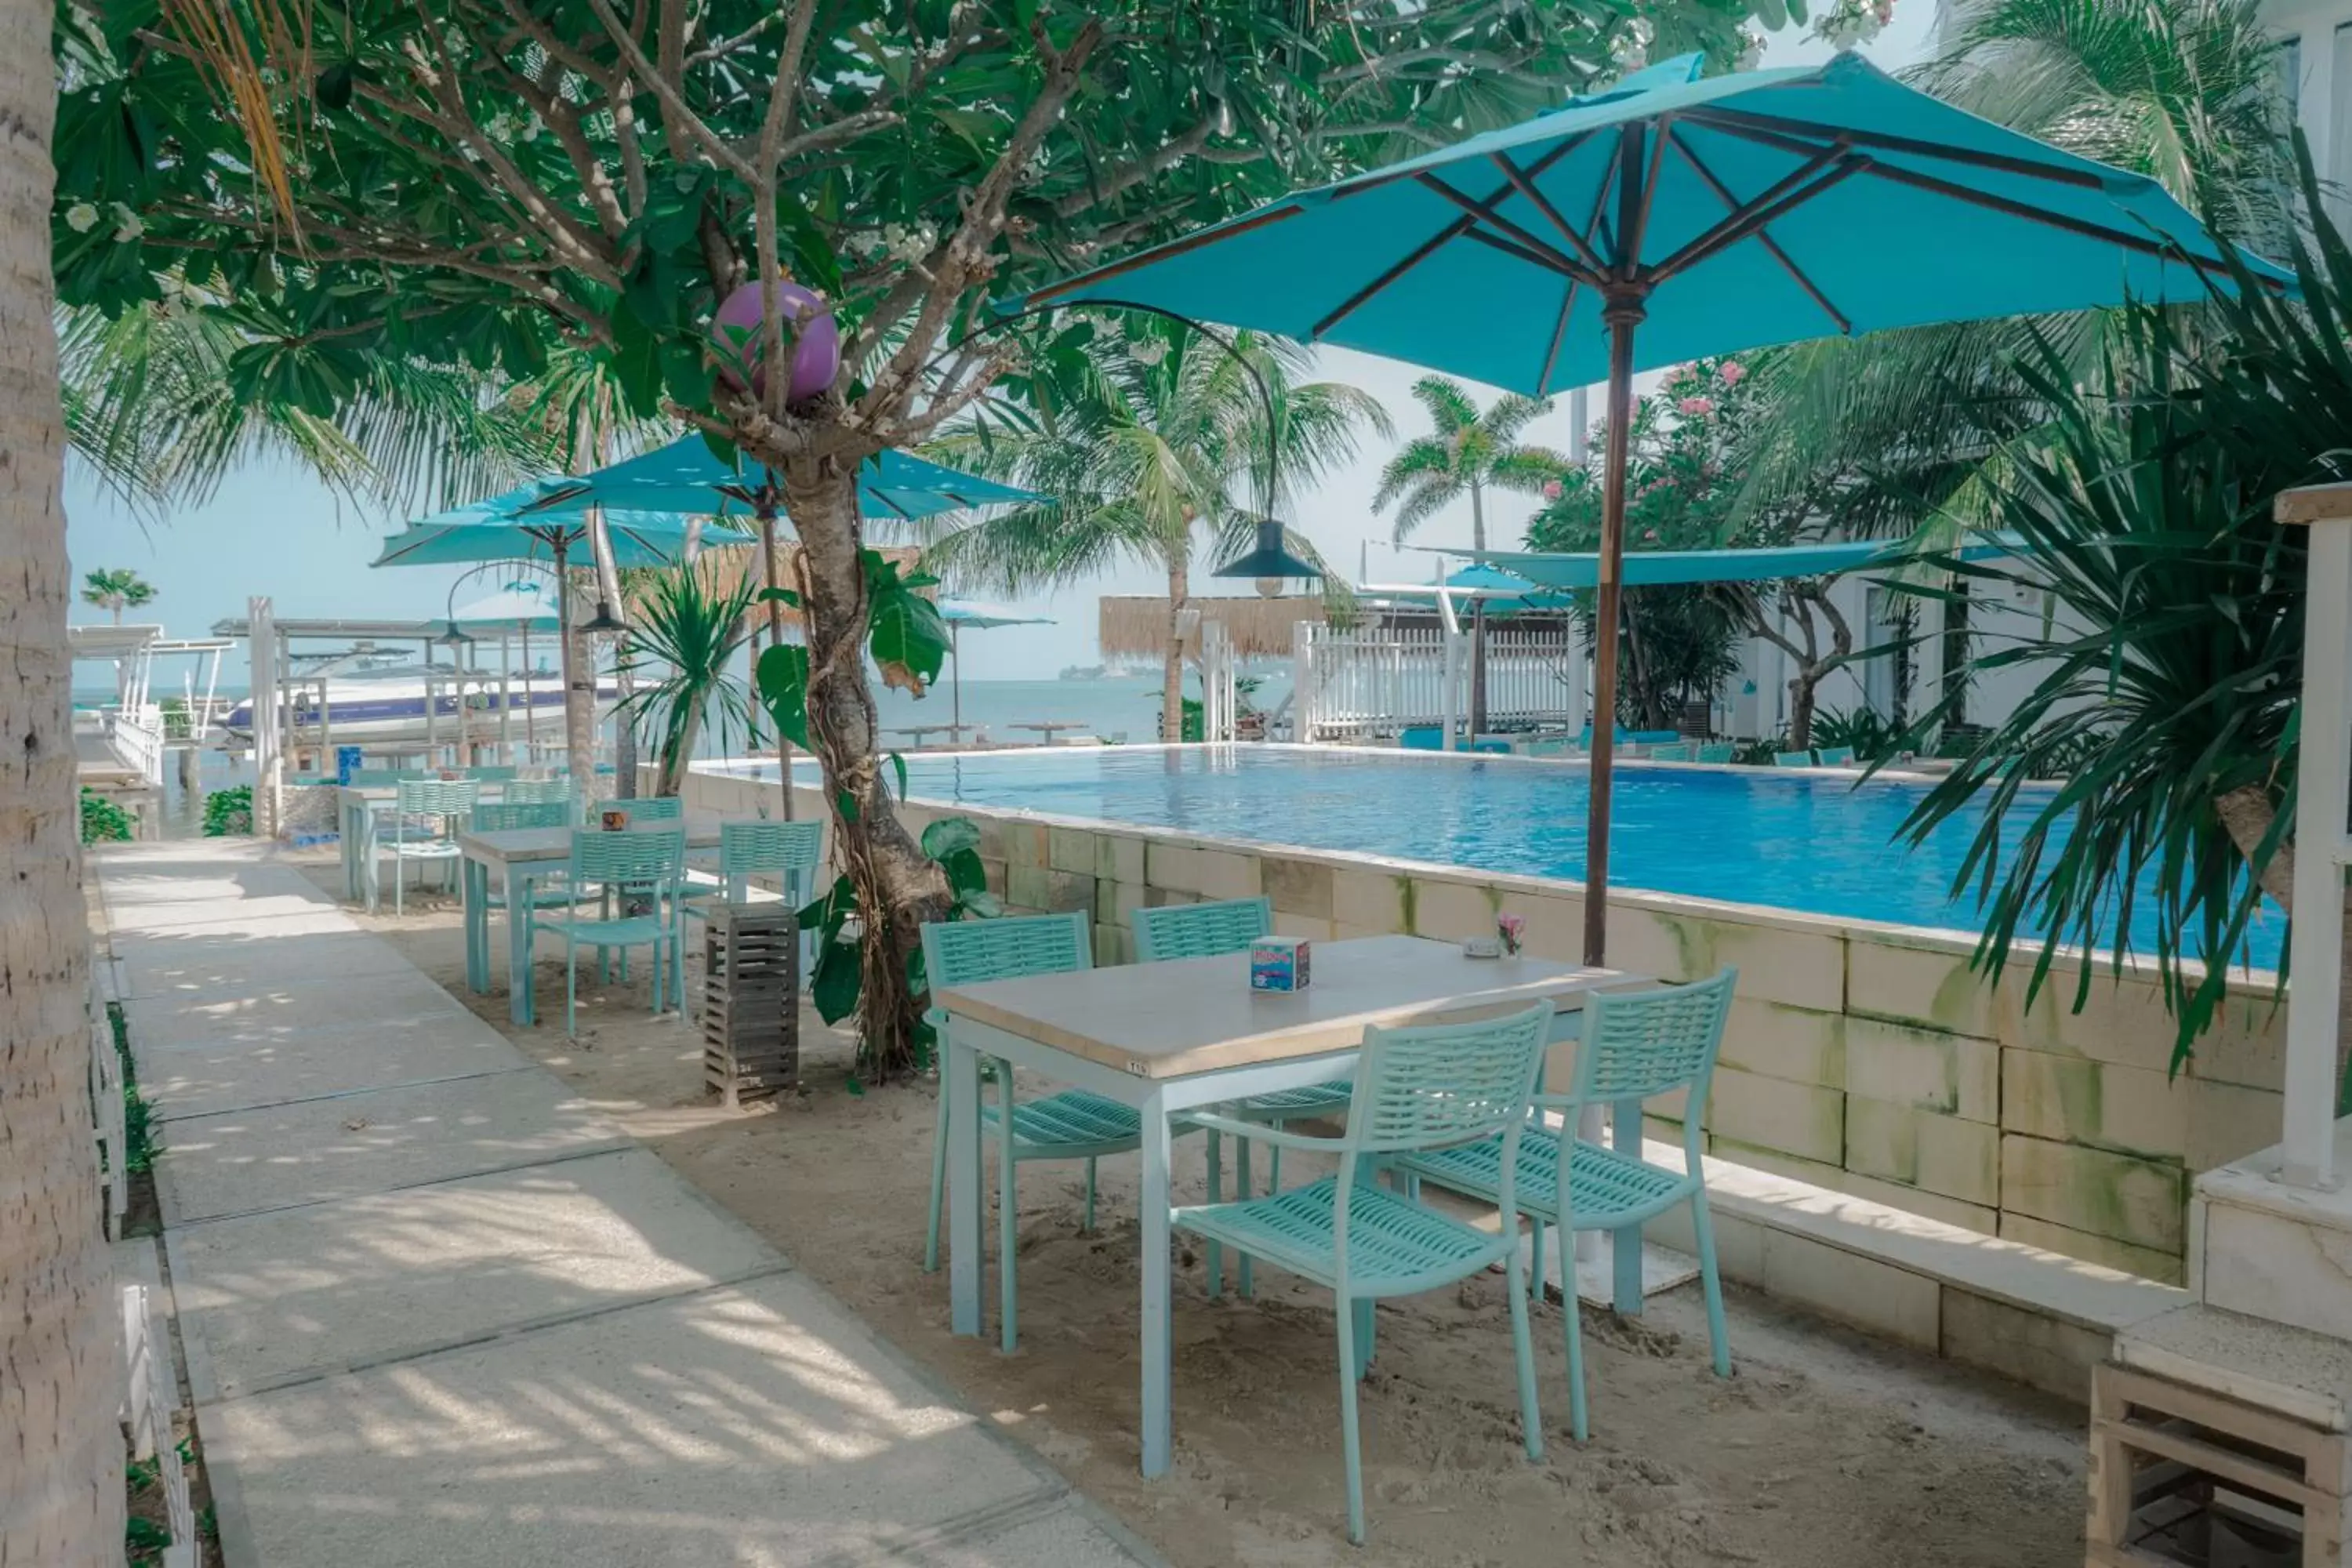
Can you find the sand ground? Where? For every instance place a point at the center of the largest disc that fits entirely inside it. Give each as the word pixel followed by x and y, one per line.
pixel 1826 1450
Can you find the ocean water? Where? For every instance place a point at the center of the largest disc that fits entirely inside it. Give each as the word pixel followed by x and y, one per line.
pixel 1747 835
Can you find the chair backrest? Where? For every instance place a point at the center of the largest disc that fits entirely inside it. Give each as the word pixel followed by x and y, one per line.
pixel 791 851
pixel 509 815
pixel 1679 752
pixel 1637 1045
pixel 967 952
pixel 537 790
pixel 1836 756
pixel 1792 759
pixel 1722 751
pixel 652 861
pixel 1201 930
pixel 1441 1085
pixel 491 775
pixel 645 808
pixel 436 797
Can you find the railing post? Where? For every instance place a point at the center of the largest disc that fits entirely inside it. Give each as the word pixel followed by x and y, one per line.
pixel 2317 933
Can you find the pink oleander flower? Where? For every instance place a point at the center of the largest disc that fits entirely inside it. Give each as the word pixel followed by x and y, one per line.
pixel 1696 407
pixel 1649 536
pixel 1551 491
pixel 1733 373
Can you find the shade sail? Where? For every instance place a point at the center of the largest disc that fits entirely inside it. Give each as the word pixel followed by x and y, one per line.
pixel 1648 568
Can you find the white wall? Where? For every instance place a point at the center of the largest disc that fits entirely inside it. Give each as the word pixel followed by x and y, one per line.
pixel 2316 55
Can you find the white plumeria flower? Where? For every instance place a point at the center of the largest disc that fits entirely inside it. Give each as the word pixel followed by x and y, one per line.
pixel 127 227
pixel 81 218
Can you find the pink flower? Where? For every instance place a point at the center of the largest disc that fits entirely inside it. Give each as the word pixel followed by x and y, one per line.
pixel 1649 536
pixel 1696 407
pixel 1733 373
pixel 1551 489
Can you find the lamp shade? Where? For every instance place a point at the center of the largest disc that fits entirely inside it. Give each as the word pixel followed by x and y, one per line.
pixel 1270 558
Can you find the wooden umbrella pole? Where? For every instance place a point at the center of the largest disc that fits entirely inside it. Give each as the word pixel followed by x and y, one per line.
pixel 1623 314
pixel 767 510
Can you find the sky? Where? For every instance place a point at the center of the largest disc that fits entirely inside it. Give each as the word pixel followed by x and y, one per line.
pixel 273 530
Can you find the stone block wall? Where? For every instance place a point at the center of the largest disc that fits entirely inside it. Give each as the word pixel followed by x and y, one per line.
pixel 1860 1056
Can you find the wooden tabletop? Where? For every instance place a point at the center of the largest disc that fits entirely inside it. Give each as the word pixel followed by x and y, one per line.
pixel 518 844
pixel 1199 1014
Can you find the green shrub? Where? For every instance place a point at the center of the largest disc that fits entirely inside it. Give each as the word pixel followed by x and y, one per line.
pixel 228 813
pixel 179 724
pixel 103 820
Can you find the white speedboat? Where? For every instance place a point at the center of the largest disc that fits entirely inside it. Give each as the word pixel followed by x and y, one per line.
pixel 363 706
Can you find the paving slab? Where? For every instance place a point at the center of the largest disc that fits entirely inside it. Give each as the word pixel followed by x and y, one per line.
pixel 241 1160
pixel 272 1065
pixel 243 912
pixel 301 1292
pixel 760 1424
pixel 127 889
pixel 216 960
pixel 291 1007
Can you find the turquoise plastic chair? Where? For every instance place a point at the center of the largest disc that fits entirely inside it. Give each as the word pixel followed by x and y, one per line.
pixel 512 815
pixel 1202 931
pixel 1722 751
pixel 1678 752
pixel 789 851
pixel 535 790
pixel 650 864
pixel 1792 759
pixel 1836 756
pixel 1634 1046
pixel 1069 1125
pixel 426 813
pixel 1417 1092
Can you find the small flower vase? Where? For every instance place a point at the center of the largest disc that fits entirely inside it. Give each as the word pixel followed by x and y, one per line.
pixel 1511 931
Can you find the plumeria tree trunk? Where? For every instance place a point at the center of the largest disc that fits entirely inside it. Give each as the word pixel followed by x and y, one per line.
pixel 61 1452
pixel 1171 664
pixel 896 881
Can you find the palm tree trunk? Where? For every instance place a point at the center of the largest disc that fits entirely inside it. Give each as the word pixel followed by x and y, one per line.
pixel 61 1483
pixel 674 761
pixel 1172 665
pixel 898 887
pixel 1477 620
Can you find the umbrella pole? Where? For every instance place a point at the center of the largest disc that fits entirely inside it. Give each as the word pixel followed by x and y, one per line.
pixel 1623 314
pixel 955 682
pixel 775 638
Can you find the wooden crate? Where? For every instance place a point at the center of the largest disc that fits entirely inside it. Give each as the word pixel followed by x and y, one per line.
pixel 750 1000
pixel 2183 1477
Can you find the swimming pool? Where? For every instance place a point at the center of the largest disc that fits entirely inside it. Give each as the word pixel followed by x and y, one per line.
pixel 1748 835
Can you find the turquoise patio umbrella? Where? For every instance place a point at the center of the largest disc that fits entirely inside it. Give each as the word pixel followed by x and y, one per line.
pixel 960 613
pixel 499 529
pixel 1667 217
pixel 688 476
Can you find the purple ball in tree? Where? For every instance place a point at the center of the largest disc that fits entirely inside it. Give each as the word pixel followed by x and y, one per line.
pixel 810 334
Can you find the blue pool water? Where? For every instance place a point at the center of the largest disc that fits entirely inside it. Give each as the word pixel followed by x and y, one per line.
pixel 1748 835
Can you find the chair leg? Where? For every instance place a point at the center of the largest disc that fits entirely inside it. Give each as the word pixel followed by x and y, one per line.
pixel 1572 1314
pixel 1273 1165
pixel 1089 1227
pixel 1216 1195
pixel 939 1181
pixel 1008 1211
pixel 1535 1265
pixel 1247 1287
pixel 572 989
pixel 1523 1354
pixel 1718 1335
pixel 1350 1442
pixel 1365 1330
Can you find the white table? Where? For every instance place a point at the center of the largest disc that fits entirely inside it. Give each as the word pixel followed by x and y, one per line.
pixel 1048 728
pixel 523 858
pixel 1166 1038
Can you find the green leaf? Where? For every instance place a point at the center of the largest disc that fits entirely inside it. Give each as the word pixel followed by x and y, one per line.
pixel 856 1086
pixel 847 804
pixel 335 84
pixel 898 764
pixel 781 596
pixel 965 872
pixel 723 449
pixel 949 834
pixel 840 975
pixel 784 677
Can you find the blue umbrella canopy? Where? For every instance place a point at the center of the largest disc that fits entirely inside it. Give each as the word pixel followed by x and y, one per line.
pixel 525 603
pixel 688 476
pixel 496 530
pixel 1731 213
pixel 1669 217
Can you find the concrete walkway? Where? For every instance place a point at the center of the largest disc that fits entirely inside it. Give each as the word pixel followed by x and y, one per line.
pixel 437 1311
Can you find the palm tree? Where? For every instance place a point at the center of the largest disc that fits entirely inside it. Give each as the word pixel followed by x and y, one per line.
pixel 686 633
pixel 116 588
pixel 1162 434
pixel 62 1501
pixel 2185 92
pixel 1467 453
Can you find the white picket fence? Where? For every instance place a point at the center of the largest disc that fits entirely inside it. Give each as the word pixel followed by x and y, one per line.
pixel 149 1399
pixel 106 1113
pixel 1370 684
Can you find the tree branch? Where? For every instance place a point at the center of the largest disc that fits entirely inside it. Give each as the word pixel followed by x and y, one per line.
pixel 681 121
